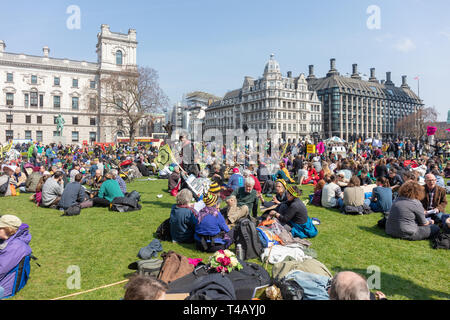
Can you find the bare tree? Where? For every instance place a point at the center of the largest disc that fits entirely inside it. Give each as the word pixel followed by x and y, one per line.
pixel 133 95
pixel 415 124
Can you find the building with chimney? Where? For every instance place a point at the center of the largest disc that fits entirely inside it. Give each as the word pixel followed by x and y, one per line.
pixel 35 90
pixel 282 105
pixel 355 108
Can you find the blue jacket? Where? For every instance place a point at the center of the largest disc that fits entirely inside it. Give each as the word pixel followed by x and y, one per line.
pixel 182 224
pixel 302 231
pixel 211 226
pixel 12 251
pixel 384 199
pixel 236 181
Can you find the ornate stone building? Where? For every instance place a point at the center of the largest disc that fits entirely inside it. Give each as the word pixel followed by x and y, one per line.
pixel 282 105
pixel 355 108
pixel 34 90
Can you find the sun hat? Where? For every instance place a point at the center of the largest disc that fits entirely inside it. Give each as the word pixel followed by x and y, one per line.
pixel 210 199
pixel 10 221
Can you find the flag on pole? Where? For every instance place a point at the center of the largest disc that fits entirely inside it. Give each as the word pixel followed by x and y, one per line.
pixel 431 131
pixel 416 78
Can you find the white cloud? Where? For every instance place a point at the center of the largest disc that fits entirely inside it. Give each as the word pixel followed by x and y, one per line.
pixel 445 34
pixel 405 45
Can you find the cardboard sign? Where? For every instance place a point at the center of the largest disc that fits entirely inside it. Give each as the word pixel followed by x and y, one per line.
pixel 310 148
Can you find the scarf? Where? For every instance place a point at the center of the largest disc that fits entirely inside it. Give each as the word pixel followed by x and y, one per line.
pixel 205 212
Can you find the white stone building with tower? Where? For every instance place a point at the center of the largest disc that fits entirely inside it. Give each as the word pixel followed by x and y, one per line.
pixel 35 90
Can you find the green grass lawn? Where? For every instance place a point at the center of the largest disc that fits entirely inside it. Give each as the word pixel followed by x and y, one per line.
pixel 103 243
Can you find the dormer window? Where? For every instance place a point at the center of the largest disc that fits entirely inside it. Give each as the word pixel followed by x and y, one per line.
pixel 119 58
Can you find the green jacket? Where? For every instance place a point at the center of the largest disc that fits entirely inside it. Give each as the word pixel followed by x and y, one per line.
pixel 248 199
pixel 110 190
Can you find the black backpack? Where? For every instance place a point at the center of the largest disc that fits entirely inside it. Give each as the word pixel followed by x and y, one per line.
pixel 442 241
pixel 125 204
pixel 4 188
pixel 245 281
pixel 72 211
pixel 246 235
pixel 163 231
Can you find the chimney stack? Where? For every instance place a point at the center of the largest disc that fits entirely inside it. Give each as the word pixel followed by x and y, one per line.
pixel 333 70
pixel 311 72
pixel 388 79
pixel 383 81
pixel 404 82
pixel 372 78
pixel 46 51
pixel 2 46
pixel 355 74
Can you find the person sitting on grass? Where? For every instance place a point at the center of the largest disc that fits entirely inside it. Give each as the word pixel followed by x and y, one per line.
pixel 182 218
pixel 236 180
pixel 381 200
pixel 7 178
pixel 332 194
pixel 407 218
pixel 142 287
pixel 280 195
pixel 14 246
pixel 120 181
pixel 365 177
pixel 52 190
pixel 435 200
pixel 283 173
pixel 33 180
pixel 447 171
pixel 211 230
pixel 247 196
pixel 109 190
pixel 354 194
pixel 74 193
pixel 317 196
pixel 294 214
pixel 395 181
pixel 174 179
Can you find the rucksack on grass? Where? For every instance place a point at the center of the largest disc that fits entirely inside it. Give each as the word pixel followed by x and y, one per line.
pixel 174 266
pixel 246 234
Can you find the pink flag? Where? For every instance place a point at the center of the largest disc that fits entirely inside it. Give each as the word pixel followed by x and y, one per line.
pixel 320 148
pixel 448 130
pixel 431 131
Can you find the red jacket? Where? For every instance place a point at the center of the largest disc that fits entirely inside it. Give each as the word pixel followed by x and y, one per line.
pixel 257 186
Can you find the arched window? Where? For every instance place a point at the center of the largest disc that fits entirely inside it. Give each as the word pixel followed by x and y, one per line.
pixel 119 58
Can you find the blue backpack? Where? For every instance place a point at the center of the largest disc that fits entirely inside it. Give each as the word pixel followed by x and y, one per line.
pixel 22 271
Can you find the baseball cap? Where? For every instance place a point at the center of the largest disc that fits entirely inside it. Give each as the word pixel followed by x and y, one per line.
pixel 235 170
pixel 10 221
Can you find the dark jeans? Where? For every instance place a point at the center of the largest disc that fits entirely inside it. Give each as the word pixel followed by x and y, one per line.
pixel 425 232
pixel 101 202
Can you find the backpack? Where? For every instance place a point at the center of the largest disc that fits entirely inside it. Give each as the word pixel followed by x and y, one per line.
pixel 4 188
pixel 246 234
pixel 442 241
pixel 267 237
pixel 72 211
pixel 134 195
pixel 290 289
pixel 245 281
pixel 163 231
pixel 174 266
pixel 212 287
pixel 125 204
pixel 22 274
pixel 149 267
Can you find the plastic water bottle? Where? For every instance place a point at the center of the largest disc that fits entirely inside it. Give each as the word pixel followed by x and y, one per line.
pixel 239 252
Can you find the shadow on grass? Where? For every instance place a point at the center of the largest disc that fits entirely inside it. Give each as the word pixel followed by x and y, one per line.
pixel 159 204
pixel 392 285
pixel 376 231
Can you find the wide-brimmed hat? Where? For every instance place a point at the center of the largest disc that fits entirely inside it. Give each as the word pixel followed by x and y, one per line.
pixel 210 199
pixel 10 221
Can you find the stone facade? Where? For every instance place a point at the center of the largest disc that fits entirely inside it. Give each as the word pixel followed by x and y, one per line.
pixel 354 108
pixel 282 105
pixel 34 90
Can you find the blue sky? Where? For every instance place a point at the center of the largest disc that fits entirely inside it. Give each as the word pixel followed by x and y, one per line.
pixel 210 45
